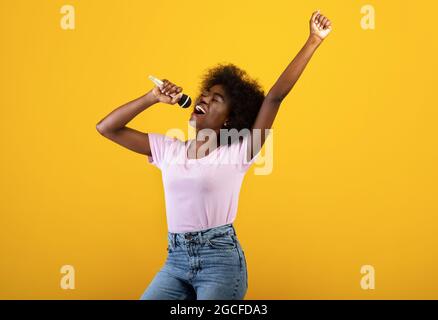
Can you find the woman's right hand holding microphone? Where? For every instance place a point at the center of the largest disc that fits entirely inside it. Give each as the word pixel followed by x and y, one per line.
pixel 168 93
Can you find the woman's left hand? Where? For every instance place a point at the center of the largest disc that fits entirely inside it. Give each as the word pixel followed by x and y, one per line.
pixel 320 25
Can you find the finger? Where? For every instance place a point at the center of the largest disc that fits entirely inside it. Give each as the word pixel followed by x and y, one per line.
pixel 176 90
pixel 163 84
pixel 324 21
pixel 173 89
pixel 320 17
pixel 328 23
pixel 176 98
pixel 314 16
pixel 170 90
pixel 167 87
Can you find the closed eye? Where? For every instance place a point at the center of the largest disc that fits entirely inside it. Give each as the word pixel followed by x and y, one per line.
pixel 206 94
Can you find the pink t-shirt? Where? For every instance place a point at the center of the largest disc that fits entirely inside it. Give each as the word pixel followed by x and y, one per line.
pixel 199 193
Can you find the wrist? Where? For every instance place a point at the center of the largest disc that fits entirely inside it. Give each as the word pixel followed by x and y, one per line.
pixel 150 98
pixel 314 40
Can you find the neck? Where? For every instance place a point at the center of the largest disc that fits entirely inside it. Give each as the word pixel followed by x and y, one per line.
pixel 203 139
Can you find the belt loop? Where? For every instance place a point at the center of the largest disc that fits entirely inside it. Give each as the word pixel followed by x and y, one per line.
pixel 233 229
pixel 200 237
pixel 174 239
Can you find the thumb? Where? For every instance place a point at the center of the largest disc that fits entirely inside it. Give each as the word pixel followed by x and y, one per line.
pixel 166 99
pixel 176 98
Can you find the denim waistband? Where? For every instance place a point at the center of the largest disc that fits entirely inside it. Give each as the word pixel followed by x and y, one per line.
pixel 202 235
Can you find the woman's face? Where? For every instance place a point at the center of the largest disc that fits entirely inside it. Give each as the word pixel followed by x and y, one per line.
pixel 215 104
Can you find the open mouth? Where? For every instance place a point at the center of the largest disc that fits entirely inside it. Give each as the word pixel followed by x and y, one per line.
pixel 200 109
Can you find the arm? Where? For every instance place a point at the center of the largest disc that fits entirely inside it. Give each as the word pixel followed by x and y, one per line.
pixel 320 27
pixel 113 126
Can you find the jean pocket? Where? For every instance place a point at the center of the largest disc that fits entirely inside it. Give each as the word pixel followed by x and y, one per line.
pixel 222 242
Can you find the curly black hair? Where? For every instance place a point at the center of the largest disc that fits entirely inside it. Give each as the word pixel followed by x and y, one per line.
pixel 245 94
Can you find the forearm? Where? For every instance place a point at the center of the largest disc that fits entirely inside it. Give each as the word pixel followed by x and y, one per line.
pixel 292 73
pixel 119 117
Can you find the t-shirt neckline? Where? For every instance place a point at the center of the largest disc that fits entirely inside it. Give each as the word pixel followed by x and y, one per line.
pixel 198 159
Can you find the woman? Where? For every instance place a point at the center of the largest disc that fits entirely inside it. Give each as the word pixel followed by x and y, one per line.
pixel 202 180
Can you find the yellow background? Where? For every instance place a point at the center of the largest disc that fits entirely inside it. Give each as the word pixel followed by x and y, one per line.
pixel 354 179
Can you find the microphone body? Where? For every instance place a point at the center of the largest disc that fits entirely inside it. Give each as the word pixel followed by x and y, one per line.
pixel 185 100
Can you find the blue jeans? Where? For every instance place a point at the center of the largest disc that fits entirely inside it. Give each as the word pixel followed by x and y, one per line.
pixel 204 265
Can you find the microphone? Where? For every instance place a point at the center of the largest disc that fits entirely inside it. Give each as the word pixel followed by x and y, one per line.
pixel 185 100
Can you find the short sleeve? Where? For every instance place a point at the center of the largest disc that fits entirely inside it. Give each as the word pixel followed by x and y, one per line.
pixel 160 145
